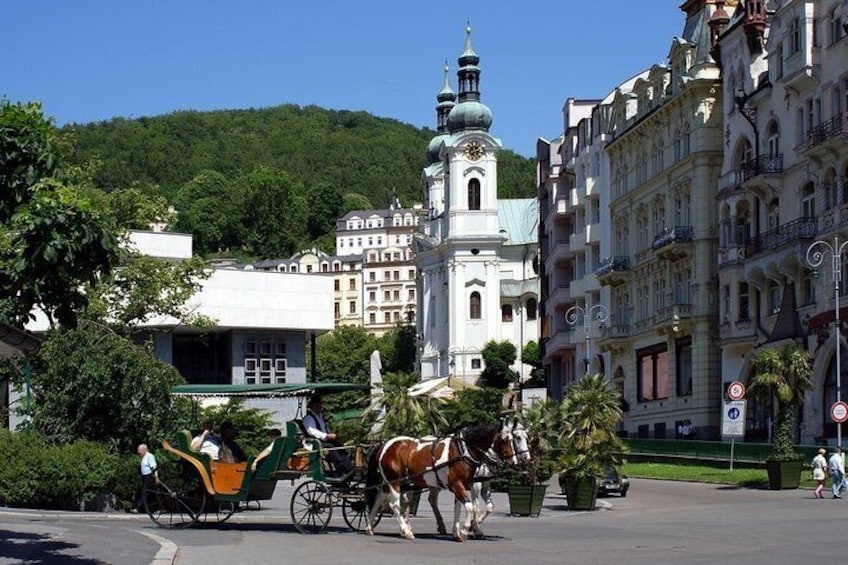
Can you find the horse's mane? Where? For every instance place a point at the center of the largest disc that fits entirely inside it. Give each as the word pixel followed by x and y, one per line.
pixel 480 435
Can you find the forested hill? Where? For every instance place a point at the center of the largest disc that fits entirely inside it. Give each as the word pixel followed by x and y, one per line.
pixel 332 159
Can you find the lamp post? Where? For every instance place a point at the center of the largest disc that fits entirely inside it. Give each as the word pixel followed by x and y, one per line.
pixel 598 312
pixel 815 257
pixel 750 114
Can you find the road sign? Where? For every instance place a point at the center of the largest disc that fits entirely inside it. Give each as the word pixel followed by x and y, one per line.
pixel 839 411
pixel 733 419
pixel 736 391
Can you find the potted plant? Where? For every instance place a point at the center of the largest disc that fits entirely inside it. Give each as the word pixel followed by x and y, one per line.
pixel 785 375
pixel 592 411
pixel 527 485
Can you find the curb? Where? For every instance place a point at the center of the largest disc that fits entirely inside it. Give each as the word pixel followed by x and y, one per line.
pixel 167 549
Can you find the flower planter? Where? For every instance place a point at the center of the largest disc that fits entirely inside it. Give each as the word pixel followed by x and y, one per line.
pixel 526 500
pixel 784 474
pixel 581 492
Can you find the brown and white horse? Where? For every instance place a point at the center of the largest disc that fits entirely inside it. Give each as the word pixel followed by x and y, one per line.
pixel 447 463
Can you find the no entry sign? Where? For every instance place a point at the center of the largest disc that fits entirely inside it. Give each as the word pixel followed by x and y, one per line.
pixel 736 391
pixel 839 411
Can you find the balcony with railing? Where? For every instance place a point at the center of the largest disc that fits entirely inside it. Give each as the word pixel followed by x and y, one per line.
pixel 730 181
pixel 673 243
pixel 790 232
pixel 831 132
pixel 762 165
pixel 614 271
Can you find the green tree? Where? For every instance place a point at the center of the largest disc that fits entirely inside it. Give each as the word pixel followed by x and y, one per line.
pixel 414 416
pixel 499 358
pixel 52 240
pixel 344 355
pixel 472 406
pixel 398 349
pixel 209 210
pixel 530 355
pixel 784 374
pixel 97 385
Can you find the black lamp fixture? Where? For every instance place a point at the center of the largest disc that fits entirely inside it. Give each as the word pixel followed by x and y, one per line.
pixel 750 114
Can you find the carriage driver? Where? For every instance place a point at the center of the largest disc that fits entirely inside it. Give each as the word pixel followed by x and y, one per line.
pixel 316 426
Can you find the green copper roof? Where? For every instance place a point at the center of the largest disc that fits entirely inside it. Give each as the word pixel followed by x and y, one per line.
pixel 288 390
pixel 519 219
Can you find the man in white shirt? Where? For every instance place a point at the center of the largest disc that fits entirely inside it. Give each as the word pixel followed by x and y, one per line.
pixel 316 426
pixel 836 466
pixel 149 474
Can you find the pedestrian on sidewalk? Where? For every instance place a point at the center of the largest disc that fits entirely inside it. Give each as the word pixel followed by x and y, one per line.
pixel 820 472
pixel 836 466
pixel 149 475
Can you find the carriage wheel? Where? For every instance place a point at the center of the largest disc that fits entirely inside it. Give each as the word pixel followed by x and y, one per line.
pixel 355 512
pixel 311 507
pixel 218 511
pixel 178 499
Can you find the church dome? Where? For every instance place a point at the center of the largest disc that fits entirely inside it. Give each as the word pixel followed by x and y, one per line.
pixel 471 114
pixel 434 147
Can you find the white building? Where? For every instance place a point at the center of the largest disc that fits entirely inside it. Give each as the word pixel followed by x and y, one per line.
pixel 782 187
pixel 476 254
pixel 264 321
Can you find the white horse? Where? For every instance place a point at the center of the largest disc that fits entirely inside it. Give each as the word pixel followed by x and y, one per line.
pixel 481 489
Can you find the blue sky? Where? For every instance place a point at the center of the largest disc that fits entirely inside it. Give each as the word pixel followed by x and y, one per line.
pixel 97 59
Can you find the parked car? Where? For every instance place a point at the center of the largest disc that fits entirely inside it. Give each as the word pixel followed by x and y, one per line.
pixel 613 482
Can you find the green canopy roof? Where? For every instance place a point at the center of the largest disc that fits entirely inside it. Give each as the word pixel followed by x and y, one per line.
pixel 288 390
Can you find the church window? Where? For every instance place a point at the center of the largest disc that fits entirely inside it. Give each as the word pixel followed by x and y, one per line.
pixel 506 312
pixel 474 194
pixel 531 309
pixel 475 311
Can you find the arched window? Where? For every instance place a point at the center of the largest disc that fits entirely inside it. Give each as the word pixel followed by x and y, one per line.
pixel 773 140
pixel 531 309
pixel 506 312
pixel 474 310
pixel 474 194
pixel 774 214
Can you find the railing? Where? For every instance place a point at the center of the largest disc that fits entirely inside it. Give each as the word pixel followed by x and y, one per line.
pixel 615 331
pixel 706 450
pixel 613 264
pixel 837 125
pixel 677 234
pixel 802 228
pixel 763 165
pixel 731 180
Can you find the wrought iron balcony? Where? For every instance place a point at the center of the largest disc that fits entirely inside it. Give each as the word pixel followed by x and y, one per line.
pixel 613 264
pixel 763 165
pixel 802 228
pixel 677 234
pixel 834 127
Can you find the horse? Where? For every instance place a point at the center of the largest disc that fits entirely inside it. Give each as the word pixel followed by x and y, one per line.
pixel 481 492
pixel 446 463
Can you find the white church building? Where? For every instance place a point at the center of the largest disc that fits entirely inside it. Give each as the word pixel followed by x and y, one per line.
pixel 477 256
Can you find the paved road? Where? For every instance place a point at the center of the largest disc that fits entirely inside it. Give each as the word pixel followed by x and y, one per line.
pixel 658 523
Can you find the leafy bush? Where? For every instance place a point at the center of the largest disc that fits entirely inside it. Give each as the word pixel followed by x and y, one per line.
pixel 35 474
pixel 472 406
pixel 252 423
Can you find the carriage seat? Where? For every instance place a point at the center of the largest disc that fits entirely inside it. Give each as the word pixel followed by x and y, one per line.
pixel 267 466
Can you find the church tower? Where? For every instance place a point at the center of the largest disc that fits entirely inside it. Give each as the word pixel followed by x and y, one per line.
pixel 458 249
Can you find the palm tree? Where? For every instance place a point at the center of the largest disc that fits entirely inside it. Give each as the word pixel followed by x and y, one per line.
pixel 414 416
pixel 593 411
pixel 784 374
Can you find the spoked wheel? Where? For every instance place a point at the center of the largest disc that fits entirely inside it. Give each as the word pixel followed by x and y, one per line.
pixel 178 499
pixel 218 511
pixel 311 507
pixel 355 512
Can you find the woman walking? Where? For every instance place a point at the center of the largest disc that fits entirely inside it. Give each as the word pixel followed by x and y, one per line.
pixel 820 472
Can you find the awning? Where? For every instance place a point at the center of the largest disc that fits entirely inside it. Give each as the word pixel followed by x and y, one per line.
pixel 438 388
pixel 288 390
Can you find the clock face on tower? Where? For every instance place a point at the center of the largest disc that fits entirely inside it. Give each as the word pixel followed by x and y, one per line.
pixel 474 150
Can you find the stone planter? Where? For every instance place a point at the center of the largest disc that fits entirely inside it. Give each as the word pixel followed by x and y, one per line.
pixel 784 474
pixel 581 492
pixel 526 500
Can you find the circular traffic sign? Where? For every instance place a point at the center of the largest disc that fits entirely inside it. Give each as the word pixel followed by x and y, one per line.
pixel 736 391
pixel 839 411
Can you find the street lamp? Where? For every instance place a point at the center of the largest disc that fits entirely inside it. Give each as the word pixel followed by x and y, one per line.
pixel 815 257
pixel 598 313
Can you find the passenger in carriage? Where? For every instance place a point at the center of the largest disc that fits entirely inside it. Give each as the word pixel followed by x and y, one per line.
pixel 273 434
pixel 231 452
pixel 316 426
pixel 207 442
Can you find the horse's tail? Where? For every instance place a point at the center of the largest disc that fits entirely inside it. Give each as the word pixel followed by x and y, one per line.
pixel 372 477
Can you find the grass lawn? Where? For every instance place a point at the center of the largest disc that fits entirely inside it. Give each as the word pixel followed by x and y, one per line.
pixel 750 478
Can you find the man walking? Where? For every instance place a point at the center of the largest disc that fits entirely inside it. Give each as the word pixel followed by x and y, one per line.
pixel 149 474
pixel 836 466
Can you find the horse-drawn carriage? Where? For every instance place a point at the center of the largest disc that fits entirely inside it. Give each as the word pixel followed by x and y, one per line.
pixel 193 488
